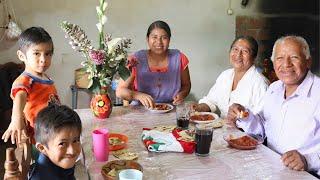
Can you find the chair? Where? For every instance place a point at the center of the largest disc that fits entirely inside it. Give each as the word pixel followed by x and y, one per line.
pixel 18 161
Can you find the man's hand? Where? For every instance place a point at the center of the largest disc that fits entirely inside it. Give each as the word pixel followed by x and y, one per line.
pixel 294 160
pixel 145 99
pixel 233 112
pixel 16 130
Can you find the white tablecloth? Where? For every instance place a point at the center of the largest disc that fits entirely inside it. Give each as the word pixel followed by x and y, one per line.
pixel 222 163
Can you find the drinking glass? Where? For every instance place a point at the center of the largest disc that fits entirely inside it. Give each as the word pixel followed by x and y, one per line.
pixel 203 139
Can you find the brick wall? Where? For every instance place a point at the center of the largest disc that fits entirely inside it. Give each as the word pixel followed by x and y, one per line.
pixel 267 29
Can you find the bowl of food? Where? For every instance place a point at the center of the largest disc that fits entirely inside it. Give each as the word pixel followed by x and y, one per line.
pixel 161 108
pixel 110 171
pixel 117 141
pixel 243 142
pixel 203 117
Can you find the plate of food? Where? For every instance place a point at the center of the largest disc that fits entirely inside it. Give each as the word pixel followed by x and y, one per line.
pixel 243 142
pixel 203 117
pixel 111 170
pixel 161 108
pixel 124 154
pixel 117 141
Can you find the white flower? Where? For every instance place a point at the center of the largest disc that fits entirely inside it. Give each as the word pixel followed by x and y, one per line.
pixel 113 44
pixel 103 19
pixel 120 57
pixel 99 12
pixel 99 26
pixel 104 6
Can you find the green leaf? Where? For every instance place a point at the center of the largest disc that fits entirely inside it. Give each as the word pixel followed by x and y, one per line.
pixel 95 87
pixel 124 72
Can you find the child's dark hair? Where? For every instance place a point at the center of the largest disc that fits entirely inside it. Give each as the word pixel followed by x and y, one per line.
pixel 51 119
pixel 33 35
pixel 159 24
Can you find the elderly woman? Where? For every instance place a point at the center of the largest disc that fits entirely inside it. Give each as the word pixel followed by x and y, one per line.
pixel 159 74
pixel 241 84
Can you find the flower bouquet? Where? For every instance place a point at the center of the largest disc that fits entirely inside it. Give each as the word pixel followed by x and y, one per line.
pixel 103 63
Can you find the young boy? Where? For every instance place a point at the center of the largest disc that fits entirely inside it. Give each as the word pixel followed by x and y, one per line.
pixel 32 90
pixel 57 133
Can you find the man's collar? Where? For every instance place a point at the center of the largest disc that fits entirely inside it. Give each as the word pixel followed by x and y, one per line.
pixel 304 88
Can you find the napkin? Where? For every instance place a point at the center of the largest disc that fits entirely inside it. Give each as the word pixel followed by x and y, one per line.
pixel 157 141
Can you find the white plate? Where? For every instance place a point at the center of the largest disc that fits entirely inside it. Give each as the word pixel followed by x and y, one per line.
pixel 161 111
pixel 216 117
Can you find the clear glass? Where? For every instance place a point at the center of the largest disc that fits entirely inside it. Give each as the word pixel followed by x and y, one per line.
pixel 183 116
pixel 203 139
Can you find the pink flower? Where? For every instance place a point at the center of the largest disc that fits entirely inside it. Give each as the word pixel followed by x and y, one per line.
pixel 97 56
pixel 132 62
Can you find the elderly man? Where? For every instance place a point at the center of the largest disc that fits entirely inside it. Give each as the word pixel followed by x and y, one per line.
pixel 290 116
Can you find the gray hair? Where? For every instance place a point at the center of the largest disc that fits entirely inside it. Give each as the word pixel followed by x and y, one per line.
pixel 299 39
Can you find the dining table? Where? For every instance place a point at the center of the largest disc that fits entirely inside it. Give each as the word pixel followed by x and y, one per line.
pixel 223 161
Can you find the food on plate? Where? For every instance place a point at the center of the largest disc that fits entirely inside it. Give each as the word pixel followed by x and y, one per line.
pixel 117 141
pixel 243 114
pixel 243 141
pixel 113 172
pixel 217 124
pixel 124 154
pixel 201 117
pixel 161 107
pixel 111 169
pixel 186 135
pixel 167 128
pixel 113 141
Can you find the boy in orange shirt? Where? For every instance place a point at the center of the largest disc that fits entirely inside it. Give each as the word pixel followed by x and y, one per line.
pixel 33 89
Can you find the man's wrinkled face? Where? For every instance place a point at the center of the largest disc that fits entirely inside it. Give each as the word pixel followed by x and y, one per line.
pixel 290 63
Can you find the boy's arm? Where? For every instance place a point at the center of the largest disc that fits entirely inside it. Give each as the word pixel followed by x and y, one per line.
pixel 17 127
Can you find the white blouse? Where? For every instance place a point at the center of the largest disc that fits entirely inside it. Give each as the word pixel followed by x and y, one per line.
pixel 249 92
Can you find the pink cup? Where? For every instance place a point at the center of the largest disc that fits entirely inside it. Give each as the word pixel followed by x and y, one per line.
pixel 100 141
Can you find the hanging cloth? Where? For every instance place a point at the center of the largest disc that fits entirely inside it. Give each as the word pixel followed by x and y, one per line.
pixel 12 30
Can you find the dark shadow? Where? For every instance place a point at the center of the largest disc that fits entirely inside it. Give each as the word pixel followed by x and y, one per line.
pixel 289 6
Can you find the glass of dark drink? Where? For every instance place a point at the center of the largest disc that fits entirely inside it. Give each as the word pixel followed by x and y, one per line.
pixel 203 139
pixel 182 115
pixel 183 122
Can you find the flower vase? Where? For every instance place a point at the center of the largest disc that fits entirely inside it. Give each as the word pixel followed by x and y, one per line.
pixel 101 105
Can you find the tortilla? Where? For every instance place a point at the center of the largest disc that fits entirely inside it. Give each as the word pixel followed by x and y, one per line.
pixel 125 155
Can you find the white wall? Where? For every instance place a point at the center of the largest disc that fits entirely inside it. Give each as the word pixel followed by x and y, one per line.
pixel 200 29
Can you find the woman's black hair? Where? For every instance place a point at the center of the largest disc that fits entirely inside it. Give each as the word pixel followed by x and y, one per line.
pixel 159 24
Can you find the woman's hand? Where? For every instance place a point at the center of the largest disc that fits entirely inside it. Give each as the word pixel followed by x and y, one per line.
pixel 145 99
pixel 201 107
pixel 178 99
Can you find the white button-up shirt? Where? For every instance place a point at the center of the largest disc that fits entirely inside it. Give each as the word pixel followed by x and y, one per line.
pixel 249 92
pixel 292 123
